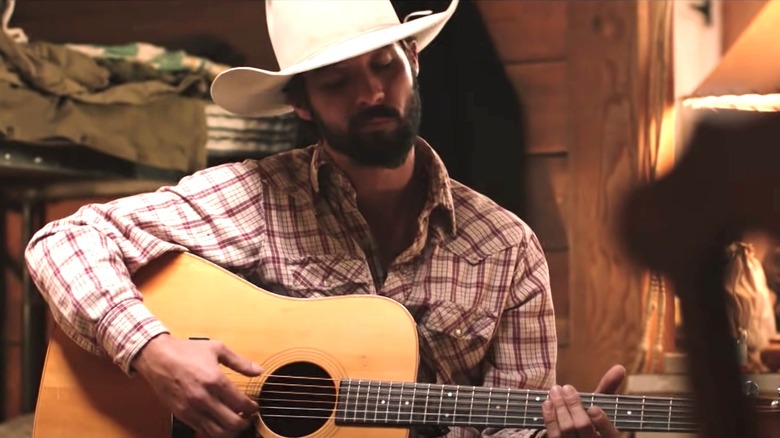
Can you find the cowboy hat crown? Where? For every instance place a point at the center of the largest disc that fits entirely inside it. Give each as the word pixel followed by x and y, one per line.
pixel 309 34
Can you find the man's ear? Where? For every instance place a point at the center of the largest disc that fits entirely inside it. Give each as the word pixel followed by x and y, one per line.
pixel 302 113
pixel 413 58
pixel 295 96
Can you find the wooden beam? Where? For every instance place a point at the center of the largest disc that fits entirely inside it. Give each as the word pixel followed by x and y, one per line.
pixel 528 30
pixel 541 90
pixel 546 187
pixel 603 107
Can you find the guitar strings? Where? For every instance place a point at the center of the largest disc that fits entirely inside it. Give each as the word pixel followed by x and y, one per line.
pixel 514 400
pixel 651 418
pixel 408 387
pixel 518 396
pixel 649 407
pixel 449 413
pixel 530 418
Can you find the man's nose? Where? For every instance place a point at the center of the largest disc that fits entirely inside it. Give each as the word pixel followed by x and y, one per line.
pixel 372 90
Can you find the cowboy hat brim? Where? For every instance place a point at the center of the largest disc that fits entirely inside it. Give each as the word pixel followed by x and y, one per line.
pixel 255 92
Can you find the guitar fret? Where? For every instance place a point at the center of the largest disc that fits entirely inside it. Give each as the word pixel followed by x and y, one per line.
pixel 487 411
pixel 455 405
pixel 368 395
pixel 616 408
pixel 346 399
pixel 441 398
pixel 427 396
pixel 389 400
pixel 525 414
pixel 471 406
pixel 357 397
pixel 414 405
pixel 642 415
pixel 669 418
pixel 400 401
pixel 506 407
pixel 376 400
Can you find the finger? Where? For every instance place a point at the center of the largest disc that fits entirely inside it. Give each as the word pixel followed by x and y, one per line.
pixel 601 422
pixel 189 417
pixel 227 421
pixel 562 414
pixel 550 420
pixel 210 429
pixel 236 362
pixel 206 427
pixel 213 415
pixel 611 380
pixel 235 400
pixel 580 418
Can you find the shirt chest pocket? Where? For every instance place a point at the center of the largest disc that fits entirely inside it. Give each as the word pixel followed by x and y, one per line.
pixel 456 334
pixel 322 276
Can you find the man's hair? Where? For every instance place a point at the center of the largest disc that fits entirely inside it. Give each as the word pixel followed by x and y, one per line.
pixel 295 90
pixel 295 93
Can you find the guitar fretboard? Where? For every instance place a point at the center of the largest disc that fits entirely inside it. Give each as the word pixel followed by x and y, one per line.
pixel 370 402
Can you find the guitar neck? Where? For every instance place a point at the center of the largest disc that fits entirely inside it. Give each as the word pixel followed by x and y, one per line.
pixel 381 403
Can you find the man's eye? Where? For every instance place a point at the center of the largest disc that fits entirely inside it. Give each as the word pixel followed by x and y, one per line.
pixel 334 83
pixel 384 63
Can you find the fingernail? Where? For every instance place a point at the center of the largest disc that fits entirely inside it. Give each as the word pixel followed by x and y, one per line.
pixel 568 389
pixel 555 390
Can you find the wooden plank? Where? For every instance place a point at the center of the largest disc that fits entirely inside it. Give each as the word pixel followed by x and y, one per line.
pixel 541 91
pixel 526 30
pixel 603 113
pixel 546 186
pixel 229 30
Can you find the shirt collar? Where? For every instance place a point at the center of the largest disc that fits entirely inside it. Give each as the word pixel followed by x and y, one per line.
pixel 439 198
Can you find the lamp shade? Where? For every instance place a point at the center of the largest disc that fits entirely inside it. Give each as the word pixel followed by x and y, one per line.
pixel 748 75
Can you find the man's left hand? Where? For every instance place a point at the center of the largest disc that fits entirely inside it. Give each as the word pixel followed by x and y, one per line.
pixel 566 417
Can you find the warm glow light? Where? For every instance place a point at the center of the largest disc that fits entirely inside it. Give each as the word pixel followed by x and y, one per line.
pixel 666 145
pixel 747 78
pixel 745 102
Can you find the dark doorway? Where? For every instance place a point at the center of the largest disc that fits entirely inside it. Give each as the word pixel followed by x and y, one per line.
pixel 471 115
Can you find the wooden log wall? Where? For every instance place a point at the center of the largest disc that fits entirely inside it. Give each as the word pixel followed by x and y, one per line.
pixel 569 65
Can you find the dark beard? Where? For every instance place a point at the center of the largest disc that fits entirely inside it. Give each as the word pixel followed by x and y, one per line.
pixel 387 149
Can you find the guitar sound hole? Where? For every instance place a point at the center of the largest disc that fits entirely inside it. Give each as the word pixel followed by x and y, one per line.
pixel 297 399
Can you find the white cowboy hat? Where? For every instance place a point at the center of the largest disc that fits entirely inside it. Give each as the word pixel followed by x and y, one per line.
pixel 309 34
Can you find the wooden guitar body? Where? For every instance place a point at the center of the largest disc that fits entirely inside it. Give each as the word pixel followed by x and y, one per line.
pixel 86 396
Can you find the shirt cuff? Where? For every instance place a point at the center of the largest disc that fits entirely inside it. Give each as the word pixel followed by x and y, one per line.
pixel 126 329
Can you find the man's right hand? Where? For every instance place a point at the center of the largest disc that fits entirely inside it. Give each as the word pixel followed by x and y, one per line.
pixel 188 379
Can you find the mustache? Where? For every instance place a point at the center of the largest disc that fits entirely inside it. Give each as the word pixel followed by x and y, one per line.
pixel 375 111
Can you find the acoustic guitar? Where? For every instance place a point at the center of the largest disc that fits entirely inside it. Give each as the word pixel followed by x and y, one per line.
pixel 334 367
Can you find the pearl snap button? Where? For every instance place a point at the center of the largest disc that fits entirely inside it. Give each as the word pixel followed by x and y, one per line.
pixel 458 333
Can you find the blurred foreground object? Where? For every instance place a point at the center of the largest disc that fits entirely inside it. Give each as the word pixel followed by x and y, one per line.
pixel 726 184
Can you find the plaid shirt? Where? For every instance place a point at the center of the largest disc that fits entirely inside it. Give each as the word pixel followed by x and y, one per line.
pixel 475 278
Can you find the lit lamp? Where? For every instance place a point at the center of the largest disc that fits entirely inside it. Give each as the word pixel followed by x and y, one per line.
pixel 748 76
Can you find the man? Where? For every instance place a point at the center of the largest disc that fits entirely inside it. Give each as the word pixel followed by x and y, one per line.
pixel 368 210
